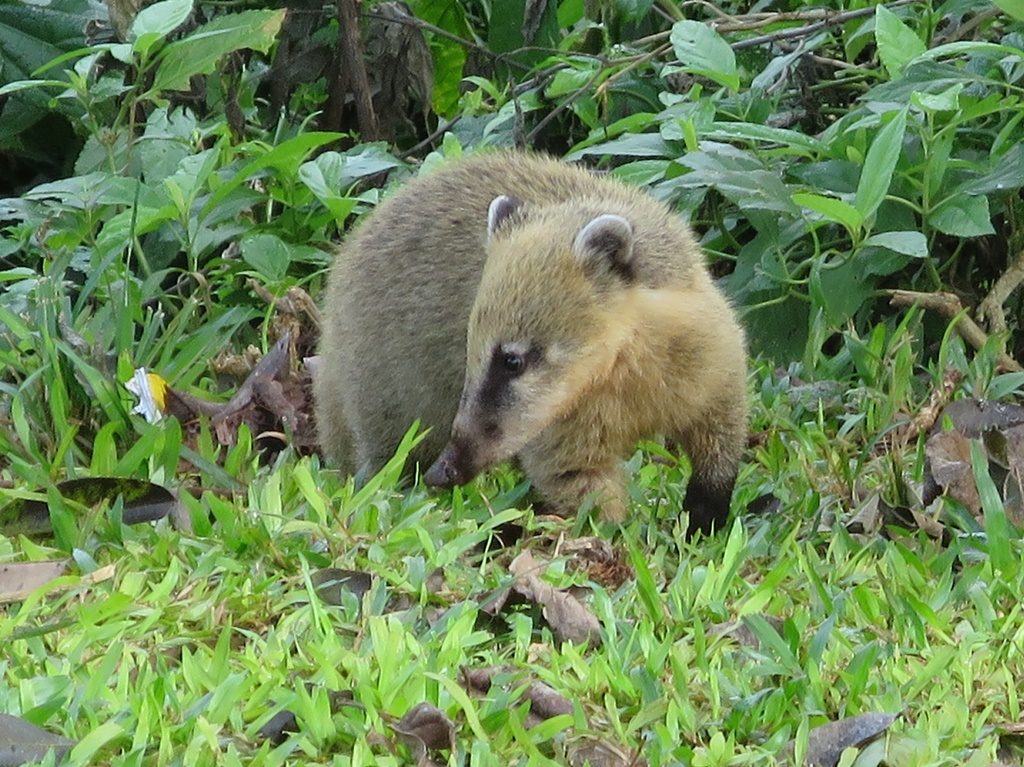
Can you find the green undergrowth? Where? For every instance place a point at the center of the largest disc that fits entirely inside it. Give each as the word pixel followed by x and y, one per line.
pixel 165 647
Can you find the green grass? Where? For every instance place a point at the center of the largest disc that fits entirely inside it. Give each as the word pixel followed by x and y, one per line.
pixel 897 164
pixel 717 652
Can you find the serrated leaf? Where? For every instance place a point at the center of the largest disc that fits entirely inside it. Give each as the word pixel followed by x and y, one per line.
pixel 701 50
pixel 963 216
pixel 913 244
pixel 833 209
pixel 199 52
pixel 879 165
pixel 897 43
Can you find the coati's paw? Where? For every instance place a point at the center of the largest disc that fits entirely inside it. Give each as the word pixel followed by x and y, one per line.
pixel 564 493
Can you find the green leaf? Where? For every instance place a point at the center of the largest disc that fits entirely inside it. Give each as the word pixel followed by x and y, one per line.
pixel 1013 8
pixel 285 157
pixel 897 43
pixel 913 244
pixel 963 216
pixel 997 527
pixel 701 50
pixel 945 101
pixel 32 34
pixel 199 52
pixel 155 22
pixel 879 165
pixel 271 256
pixel 833 209
pixel 449 56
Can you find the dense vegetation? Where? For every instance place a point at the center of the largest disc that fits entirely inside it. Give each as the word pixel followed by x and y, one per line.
pixel 174 180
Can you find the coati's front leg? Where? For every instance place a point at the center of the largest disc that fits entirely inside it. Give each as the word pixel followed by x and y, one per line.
pixel 715 456
pixel 564 489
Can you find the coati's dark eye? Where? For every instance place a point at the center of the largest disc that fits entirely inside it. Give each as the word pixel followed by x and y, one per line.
pixel 513 363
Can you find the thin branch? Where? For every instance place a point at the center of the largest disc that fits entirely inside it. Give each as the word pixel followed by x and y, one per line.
pixel 948 305
pixel 443 128
pixel 991 307
pixel 563 106
pixel 809 29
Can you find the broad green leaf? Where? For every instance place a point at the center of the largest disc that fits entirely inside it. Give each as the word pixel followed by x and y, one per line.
pixel 833 209
pixel 908 243
pixel 271 256
pixel 199 52
pixel 1013 8
pixel 897 43
pixel 946 101
pixel 963 216
pixel 790 139
pixel 449 56
pixel 879 165
pixel 701 50
pixel 155 22
pixel 32 34
pixel 285 156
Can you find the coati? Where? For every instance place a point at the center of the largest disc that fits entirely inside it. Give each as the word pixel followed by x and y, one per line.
pixel 522 307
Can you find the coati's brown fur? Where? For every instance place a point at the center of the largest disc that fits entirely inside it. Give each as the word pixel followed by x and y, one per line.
pixel 573 313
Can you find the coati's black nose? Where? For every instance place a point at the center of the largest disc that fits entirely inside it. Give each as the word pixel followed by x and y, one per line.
pixel 450 469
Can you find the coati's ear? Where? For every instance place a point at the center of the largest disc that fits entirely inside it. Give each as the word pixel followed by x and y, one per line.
pixel 606 244
pixel 501 209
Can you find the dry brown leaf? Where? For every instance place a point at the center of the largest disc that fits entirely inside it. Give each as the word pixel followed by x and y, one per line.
pixel 949 462
pixel 545 701
pixel 19 579
pixel 425 727
pixel 569 619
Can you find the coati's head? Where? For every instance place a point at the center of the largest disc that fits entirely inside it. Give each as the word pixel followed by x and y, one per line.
pixel 547 324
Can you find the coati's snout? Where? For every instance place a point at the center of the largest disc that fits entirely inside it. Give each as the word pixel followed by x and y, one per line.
pixel 455 466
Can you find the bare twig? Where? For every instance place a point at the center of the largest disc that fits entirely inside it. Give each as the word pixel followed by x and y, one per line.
pixel 990 309
pixel 948 305
pixel 637 61
pixel 443 128
pixel 808 29
pixel 819 18
pixel 563 106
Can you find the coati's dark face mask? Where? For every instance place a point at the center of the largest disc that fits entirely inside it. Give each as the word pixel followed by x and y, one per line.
pixel 539 333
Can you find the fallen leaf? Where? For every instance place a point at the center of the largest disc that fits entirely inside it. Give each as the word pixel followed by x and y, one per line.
pixel 949 468
pixel 425 727
pixel 545 701
pixel 22 742
pixel 826 743
pixel 279 727
pixel 569 619
pixel 332 583
pixel 143 502
pixel 588 751
pixel 974 417
pixel 19 579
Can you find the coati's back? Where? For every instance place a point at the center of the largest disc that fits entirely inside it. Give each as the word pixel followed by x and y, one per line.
pixel 401 290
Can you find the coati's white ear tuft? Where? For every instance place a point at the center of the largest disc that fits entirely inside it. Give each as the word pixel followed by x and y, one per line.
pixel 502 207
pixel 606 243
